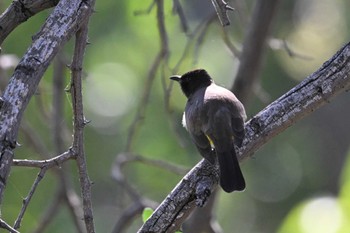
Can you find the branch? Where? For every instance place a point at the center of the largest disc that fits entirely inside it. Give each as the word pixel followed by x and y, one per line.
pixel 6 226
pixel 47 163
pixel 26 200
pixel 312 93
pixel 20 11
pixel 79 123
pixel 253 49
pixel 63 22
pixel 162 55
pixel 177 8
pixel 221 8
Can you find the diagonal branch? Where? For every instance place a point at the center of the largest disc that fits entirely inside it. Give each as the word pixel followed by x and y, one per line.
pixel 20 11
pixel 26 200
pixel 6 226
pixel 315 91
pixel 221 8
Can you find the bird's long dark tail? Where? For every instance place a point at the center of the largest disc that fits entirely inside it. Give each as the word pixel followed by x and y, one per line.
pixel 231 177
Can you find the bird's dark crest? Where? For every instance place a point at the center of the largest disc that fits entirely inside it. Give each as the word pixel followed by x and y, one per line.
pixel 193 80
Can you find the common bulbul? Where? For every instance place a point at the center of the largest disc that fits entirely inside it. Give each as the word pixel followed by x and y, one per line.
pixel 214 118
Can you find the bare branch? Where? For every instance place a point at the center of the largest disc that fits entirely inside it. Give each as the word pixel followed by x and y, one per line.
pixel 79 123
pixel 316 90
pixel 6 226
pixel 58 28
pixel 179 10
pixel 47 163
pixel 275 43
pixel 66 192
pixel 253 48
pixel 225 37
pixel 162 55
pixel 20 11
pixel 26 200
pixel 221 8
pixel 147 11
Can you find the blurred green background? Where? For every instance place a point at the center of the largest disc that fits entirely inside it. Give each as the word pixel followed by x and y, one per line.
pixel 298 182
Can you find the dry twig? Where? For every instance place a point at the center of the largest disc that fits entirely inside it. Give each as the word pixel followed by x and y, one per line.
pixel 79 123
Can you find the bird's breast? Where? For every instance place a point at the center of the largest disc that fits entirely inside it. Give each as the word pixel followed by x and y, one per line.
pixel 194 118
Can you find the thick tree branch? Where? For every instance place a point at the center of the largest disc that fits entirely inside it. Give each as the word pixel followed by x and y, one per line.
pixel 316 90
pixel 63 22
pixel 6 226
pixel 20 11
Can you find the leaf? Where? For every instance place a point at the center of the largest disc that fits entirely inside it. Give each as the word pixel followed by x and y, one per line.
pixel 146 213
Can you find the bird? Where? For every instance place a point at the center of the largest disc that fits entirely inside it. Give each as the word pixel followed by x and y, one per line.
pixel 214 118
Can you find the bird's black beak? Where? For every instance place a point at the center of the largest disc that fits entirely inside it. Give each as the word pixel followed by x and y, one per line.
pixel 176 78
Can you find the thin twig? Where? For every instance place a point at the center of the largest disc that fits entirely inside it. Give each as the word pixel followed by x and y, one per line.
pixel 282 44
pixel 147 11
pixel 27 199
pixel 47 163
pixel 177 7
pixel 79 123
pixel 235 52
pixel 221 8
pixel 67 194
pixel 162 55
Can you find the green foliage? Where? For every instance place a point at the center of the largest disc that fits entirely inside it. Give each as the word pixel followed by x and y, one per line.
pixel 326 214
pixel 146 213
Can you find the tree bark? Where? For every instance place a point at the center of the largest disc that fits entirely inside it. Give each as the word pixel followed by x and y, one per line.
pixel 63 22
pixel 312 93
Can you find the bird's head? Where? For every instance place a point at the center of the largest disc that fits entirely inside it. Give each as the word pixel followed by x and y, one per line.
pixel 192 81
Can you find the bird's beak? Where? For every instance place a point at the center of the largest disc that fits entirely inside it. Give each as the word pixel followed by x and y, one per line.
pixel 176 78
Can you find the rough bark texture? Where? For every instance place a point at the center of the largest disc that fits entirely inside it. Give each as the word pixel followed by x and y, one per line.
pixel 19 11
pixel 316 90
pixel 58 28
pixel 312 93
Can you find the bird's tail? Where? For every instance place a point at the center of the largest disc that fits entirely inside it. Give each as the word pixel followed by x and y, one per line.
pixel 231 177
